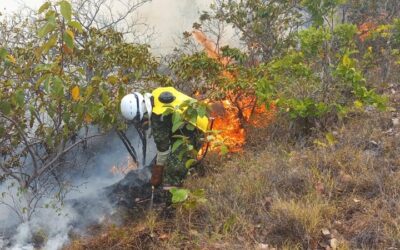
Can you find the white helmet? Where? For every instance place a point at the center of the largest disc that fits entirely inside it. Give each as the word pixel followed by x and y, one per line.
pixel 134 106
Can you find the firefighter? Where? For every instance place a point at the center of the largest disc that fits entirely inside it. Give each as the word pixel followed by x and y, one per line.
pixel 152 106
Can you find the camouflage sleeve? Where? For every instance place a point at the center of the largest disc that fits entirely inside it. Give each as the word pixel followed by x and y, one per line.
pixel 162 131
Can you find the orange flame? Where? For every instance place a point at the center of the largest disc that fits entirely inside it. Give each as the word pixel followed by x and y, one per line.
pixel 212 51
pixel 210 47
pixel 124 168
pixel 230 113
pixel 227 122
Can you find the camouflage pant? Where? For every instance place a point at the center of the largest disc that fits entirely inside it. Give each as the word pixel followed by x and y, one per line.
pixel 174 168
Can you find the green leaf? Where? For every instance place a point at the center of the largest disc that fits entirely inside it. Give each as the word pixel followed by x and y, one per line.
pixel 168 110
pixel 19 97
pixel 105 99
pixel 190 163
pixel 224 149
pixel 50 44
pixel 176 145
pixel 202 111
pixel 176 117
pixel 42 68
pixel 190 127
pixel 179 195
pixel 5 107
pixel 346 61
pixel 3 53
pixel 57 87
pixel 358 104
pixel 138 74
pixel 68 38
pixel 76 25
pixel 47 28
pixel 112 79
pixel 66 10
pixel 66 117
pixel 193 119
pixel 96 79
pixel 44 7
pixel 89 91
pixel 176 126
pixel 32 111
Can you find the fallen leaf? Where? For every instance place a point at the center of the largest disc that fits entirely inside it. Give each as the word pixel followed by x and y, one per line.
pixel 325 232
pixel 262 246
pixel 396 121
pixel 333 243
pixel 163 237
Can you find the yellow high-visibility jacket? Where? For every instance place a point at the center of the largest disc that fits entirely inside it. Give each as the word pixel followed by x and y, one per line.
pixel 159 107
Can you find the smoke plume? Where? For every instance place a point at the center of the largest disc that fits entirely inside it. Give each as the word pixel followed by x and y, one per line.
pixel 84 205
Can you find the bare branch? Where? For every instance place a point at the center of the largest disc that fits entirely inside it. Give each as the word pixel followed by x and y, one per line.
pixel 63 152
pixel 24 138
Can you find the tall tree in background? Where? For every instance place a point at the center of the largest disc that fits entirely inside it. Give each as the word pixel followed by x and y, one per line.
pixel 266 27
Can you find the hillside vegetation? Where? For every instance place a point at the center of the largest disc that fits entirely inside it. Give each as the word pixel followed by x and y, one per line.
pixel 321 191
pixel 310 95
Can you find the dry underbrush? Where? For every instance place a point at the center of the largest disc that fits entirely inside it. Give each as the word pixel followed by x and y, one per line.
pixel 284 192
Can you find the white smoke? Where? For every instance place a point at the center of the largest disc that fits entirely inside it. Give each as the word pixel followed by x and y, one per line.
pixel 170 18
pixel 55 223
pixel 23 235
pixel 167 18
pixel 55 227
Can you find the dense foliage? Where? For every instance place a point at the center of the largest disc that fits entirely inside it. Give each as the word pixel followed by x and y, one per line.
pixel 317 61
pixel 307 57
pixel 61 80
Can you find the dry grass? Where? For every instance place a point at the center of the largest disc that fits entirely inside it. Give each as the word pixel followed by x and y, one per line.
pixel 282 191
pixel 294 220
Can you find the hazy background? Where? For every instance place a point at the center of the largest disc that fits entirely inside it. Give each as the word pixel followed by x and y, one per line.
pixel 169 18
